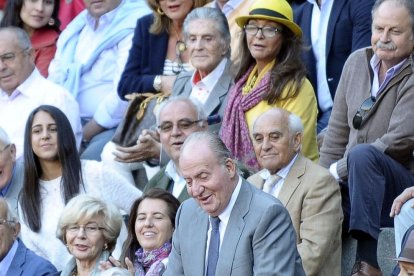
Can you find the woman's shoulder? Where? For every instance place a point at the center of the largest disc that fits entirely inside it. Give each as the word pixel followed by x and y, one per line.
pixel 44 38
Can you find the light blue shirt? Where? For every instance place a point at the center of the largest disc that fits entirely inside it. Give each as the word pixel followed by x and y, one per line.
pixel 319 27
pixel 377 87
pixel 6 262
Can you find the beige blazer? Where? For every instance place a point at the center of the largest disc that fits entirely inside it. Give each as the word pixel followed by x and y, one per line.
pixel 313 199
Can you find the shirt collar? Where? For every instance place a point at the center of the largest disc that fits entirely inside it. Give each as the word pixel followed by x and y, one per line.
pixel 225 215
pixel 171 172
pixel 283 172
pixel 104 20
pixel 375 63
pixel 210 80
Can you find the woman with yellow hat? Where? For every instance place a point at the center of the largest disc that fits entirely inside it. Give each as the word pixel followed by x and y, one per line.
pixel 270 74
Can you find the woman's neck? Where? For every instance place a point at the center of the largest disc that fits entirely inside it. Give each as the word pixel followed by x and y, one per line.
pixel 84 268
pixel 176 29
pixel 29 30
pixel 50 170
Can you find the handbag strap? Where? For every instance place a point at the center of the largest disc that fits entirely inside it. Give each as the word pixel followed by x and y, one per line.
pixel 147 97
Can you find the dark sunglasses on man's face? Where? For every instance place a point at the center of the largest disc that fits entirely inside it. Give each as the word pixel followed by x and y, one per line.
pixel 362 111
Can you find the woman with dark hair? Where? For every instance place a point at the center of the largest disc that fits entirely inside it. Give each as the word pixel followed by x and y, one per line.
pixel 150 229
pixel 270 74
pixel 53 174
pixel 39 18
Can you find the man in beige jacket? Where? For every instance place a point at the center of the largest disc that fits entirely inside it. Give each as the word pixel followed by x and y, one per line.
pixel 310 194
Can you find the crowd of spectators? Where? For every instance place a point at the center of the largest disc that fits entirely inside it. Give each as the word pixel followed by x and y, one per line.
pixel 269 131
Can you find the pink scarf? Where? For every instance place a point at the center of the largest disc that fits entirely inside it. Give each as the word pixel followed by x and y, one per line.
pixel 234 130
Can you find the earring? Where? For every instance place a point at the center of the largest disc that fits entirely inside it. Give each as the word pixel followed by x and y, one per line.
pixel 105 246
pixel 159 11
pixel 51 22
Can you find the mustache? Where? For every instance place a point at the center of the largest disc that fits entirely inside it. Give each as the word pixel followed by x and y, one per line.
pixel 386 46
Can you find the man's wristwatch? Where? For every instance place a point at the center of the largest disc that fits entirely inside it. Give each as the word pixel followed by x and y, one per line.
pixel 157 83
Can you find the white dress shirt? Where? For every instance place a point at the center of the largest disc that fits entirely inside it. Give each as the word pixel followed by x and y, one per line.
pixel 179 181
pixel 224 217
pixel 33 92
pixel 202 88
pixel 283 172
pixel 319 27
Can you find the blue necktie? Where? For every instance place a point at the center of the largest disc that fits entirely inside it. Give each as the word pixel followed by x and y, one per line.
pixel 214 247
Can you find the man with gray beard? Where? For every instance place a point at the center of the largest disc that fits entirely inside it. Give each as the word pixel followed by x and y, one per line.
pixel 369 143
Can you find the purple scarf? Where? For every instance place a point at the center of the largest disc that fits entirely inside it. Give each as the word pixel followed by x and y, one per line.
pixel 150 261
pixel 234 130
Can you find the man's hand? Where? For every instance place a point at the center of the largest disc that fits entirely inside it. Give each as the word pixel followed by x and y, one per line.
pixel 147 147
pixel 167 83
pixel 400 200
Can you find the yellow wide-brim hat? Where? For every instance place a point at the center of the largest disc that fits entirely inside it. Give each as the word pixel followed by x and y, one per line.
pixel 274 10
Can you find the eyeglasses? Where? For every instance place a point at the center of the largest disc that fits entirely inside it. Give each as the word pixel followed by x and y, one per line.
pixel 267 31
pixel 362 111
pixel 178 67
pixel 3 222
pixel 88 228
pixel 7 58
pixel 183 124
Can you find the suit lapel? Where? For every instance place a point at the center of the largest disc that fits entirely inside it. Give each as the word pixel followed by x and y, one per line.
pixel 333 18
pixel 18 260
pixel 234 230
pixel 199 242
pixel 219 91
pixel 292 180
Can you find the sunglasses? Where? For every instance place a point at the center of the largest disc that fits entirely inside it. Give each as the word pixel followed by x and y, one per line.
pixel 362 111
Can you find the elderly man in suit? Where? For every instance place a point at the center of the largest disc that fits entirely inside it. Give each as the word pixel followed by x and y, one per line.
pixel 15 258
pixel 369 142
pixel 207 37
pixel 11 171
pixel 308 191
pixel 177 118
pixel 228 227
pixel 334 29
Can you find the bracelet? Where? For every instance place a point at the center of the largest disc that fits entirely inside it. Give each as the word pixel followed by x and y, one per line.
pixel 157 83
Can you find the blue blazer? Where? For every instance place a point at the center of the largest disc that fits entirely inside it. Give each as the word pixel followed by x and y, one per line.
pixel 145 61
pixel 349 29
pixel 27 263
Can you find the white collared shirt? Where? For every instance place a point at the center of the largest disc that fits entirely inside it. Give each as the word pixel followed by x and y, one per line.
pixel 98 97
pixel 224 218
pixel 33 92
pixel 319 27
pixel 377 87
pixel 7 260
pixel 201 90
pixel 179 181
pixel 283 172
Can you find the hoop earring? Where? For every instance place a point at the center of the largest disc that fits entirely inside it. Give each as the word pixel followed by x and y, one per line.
pixel 51 22
pixel 159 11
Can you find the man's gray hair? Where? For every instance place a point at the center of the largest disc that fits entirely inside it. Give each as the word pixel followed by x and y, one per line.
pixel 210 140
pixel 201 115
pixel 295 123
pixel 214 15
pixel 23 38
pixel 4 138
pixel 408 4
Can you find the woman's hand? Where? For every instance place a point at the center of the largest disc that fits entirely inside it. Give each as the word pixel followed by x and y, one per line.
pixel 112 262
pixel 400 200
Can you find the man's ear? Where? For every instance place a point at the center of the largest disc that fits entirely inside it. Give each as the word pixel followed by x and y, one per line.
pixel 16 230
pixel 231 167
pixel 13 152
pixel 297 141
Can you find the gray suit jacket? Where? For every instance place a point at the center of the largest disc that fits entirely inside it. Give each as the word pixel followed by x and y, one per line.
pixel 313 200
pixel 259 239
pixel 217 100
pixel 16 185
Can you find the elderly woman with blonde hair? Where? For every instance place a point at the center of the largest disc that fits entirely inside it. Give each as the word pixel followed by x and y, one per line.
pixel 89 228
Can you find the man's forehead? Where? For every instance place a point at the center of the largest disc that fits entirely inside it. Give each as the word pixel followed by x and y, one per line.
pixel 181 109
pixel 8 43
